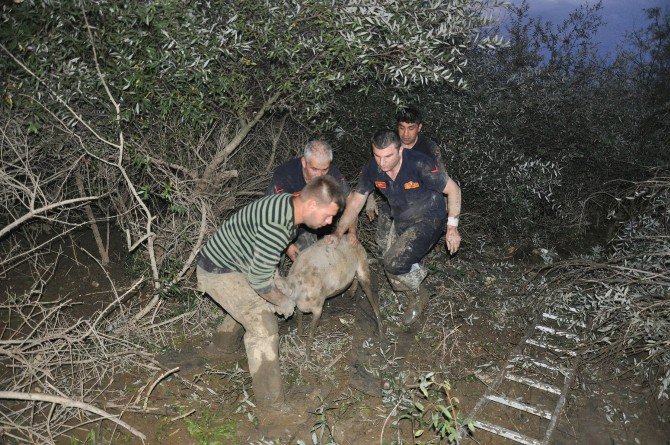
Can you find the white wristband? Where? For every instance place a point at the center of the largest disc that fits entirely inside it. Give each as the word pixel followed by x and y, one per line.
pixel 452 221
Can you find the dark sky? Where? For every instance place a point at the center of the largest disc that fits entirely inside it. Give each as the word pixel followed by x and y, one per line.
pixel 620 16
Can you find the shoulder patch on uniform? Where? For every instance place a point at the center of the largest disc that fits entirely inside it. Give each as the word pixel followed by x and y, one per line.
pixel 411 185
pixel 380 184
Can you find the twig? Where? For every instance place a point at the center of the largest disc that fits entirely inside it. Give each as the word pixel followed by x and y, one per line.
pixel 337 359
pixel 381 434
pixel 34 212
pixel 151 388
pixel 196 246
pixel 171 320
pixel 183 415
pixel 12 395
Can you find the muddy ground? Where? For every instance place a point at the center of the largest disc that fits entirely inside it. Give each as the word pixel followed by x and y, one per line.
pixel 356 389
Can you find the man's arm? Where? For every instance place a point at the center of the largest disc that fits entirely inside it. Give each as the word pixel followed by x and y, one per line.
pixel 292 252
pixel 284 305
pixel 453 193
pixel 371 208
pixel 355 203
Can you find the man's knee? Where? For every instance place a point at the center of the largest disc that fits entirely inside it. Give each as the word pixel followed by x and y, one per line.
pixel 264 325
pixel 395 264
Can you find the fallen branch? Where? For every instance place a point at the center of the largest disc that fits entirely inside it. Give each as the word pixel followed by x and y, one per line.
pixel 34 212
pixel 12 395
pixel 151 388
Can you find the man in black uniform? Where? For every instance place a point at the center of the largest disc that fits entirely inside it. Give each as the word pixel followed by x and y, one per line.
pixel 414 185
pixel 409 124
pixel 291 177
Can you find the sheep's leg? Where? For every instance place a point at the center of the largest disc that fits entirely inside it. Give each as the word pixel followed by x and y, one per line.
pixel 363 274
pixel 351 292
pixel 299 318
pixel 316 315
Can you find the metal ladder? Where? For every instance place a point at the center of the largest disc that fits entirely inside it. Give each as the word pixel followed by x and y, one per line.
pixel 530 391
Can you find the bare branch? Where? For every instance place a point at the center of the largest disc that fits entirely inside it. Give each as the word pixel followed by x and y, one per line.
pixel 39 397
pixel 34 212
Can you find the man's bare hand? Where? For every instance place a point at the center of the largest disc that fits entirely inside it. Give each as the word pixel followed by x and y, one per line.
pixel 281 304
pixel 453 239
pixel 371 208
pixel 292 252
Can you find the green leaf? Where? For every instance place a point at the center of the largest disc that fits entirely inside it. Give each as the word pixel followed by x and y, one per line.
pixel 445 411
pixel 419 406
pixel 418 433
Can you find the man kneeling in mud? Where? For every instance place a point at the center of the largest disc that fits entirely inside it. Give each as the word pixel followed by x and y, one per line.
pixel 236 268
pixel 414 185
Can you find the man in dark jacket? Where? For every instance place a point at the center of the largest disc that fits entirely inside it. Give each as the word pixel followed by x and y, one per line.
pixel 409 124
pixel 291 177
pixel 415 186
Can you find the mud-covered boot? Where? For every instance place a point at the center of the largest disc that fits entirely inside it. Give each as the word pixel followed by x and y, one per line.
pixel 409 281
pixel 415 306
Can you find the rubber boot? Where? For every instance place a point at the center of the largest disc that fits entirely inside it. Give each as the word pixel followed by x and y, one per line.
pixel 263 358
pixel 228 336
pixel 417 303
pixel 410 281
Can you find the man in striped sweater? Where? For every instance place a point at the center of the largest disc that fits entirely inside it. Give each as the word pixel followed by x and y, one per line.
pixel 236 268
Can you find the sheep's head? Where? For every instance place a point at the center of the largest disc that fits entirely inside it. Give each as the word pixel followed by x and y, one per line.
pixel 293 287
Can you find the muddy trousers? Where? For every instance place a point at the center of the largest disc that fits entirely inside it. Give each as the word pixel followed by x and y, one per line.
pixel 405 248
pixel 232 292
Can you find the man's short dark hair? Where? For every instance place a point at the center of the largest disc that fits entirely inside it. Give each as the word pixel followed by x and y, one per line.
pixel 324 189
pixel 410 115
pixel 384 138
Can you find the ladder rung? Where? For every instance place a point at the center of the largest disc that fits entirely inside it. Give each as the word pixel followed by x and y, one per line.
pixel 553 331
pixel 533 383
pixel 521 406
pixel 563 319
pixel 524 359
pixel 504 432
pixel 556 349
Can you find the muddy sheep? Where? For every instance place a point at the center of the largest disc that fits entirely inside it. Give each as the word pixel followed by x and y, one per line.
pixel 324 270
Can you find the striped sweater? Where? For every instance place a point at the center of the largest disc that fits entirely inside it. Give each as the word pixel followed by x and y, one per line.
pixel 252 240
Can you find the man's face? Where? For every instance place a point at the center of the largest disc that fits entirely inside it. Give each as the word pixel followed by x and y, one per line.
pixel 314 167
pixel 387 158
pixel 319 215
pixel 409 133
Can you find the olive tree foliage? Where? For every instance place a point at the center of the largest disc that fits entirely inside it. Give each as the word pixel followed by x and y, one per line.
pixel 551 138
pixel 173 113
pixel 625 288
pixel 546 121
pixel 649 64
